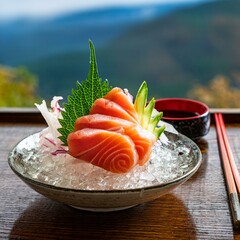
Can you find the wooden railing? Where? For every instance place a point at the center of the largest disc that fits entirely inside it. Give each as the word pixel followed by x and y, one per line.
pixel 32 115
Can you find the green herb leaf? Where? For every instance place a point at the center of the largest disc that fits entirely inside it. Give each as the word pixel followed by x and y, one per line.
pixel 83 97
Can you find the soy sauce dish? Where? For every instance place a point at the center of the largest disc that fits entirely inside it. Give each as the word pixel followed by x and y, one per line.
pixel 189 117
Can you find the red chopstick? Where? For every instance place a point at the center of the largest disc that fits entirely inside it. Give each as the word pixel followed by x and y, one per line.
pixel 230 169
pixel 230 154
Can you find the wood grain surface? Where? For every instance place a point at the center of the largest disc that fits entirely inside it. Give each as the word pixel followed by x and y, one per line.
pixel 198 209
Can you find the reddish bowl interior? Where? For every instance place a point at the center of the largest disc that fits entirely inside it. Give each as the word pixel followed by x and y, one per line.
pixel 181 105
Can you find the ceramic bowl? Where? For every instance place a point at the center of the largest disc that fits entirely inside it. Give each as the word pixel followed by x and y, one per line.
pixel 189 117
pixel 98 200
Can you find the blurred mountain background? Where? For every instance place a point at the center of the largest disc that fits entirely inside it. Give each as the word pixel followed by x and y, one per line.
pixel 179 48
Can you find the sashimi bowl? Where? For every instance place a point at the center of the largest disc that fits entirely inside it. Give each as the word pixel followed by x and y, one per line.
pixel 80 185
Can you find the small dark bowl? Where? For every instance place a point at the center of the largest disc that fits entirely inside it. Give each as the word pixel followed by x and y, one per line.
pixel 189 117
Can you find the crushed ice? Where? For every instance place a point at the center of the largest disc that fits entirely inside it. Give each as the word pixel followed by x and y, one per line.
pixel 169 160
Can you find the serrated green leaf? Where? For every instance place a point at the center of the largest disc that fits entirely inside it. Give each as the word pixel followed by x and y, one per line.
pixel 83 97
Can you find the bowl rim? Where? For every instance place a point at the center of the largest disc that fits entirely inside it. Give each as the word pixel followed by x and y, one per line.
pixel 186 175
pixel 183 100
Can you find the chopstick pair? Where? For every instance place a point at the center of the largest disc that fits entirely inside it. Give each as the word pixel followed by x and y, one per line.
pixel 231 173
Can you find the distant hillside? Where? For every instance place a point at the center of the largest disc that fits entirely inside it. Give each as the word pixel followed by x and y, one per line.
pixel 172 53
pixel 26 40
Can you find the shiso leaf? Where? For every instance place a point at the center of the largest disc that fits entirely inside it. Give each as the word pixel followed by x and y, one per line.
pixel 83 97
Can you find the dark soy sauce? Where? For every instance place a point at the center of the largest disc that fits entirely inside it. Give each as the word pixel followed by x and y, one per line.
pixel 178 114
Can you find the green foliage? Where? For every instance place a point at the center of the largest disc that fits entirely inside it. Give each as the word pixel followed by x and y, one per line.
pixel 17 87
pixel 83 97
pixel 218 94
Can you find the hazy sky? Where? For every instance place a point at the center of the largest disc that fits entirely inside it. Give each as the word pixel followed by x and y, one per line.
pixel 18 8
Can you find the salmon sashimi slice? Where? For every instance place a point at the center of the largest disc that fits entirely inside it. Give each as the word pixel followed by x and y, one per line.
pixel 100 121
pixel 109 150
pixel 110 108
pixel 118 96
pixel 142 139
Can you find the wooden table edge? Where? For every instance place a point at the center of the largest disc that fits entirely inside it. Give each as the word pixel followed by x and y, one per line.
pixel 32 115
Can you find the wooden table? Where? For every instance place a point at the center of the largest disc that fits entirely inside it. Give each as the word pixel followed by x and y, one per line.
pixel 198 209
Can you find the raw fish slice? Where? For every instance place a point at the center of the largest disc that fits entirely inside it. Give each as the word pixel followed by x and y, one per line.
pixel 100 121
pixel 142 139
pixel 118 96
pixel 109 150
pixel 110 108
